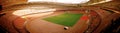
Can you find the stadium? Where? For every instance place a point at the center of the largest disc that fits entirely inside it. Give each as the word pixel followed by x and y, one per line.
pixel 59 16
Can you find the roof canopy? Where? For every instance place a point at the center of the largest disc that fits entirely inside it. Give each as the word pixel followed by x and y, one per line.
pixel 62 1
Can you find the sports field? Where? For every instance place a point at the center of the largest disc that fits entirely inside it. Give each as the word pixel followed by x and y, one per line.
pixel 66 19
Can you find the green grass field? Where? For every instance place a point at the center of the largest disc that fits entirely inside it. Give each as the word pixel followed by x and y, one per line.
pixel 66 19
